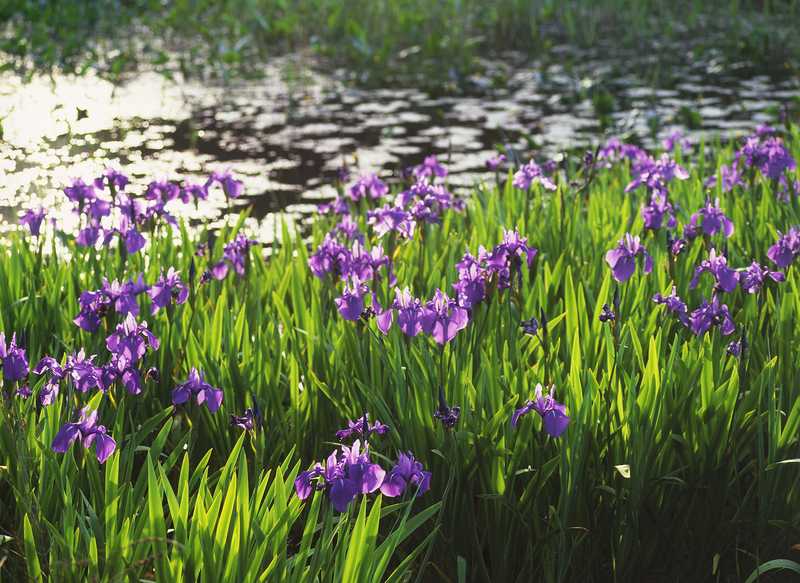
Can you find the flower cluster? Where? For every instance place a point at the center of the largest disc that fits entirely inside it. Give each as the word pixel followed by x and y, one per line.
pixel 362 428
pixel 763 153
pixel 87 432
pixel 350 472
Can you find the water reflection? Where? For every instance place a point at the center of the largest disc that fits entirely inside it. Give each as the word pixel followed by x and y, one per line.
pixel 286 139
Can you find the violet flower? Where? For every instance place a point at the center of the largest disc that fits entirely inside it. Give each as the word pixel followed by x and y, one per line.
pixel 505 260
pixel 196 386
pixel 752 278
pixel 554 417
pixel 494 163
pixel 407 473
pixel 88 432
pixel 232 187
pixel 607 314
pixel 654 212
pixel 675 305
pixel 443 318
pixel 33 219
pixel 246 422
pixel 343 477
pixel 708 315
pixel 783 252
pixel 711 220
pixel 129 342
pixel 361 428
pixel 167 289
pixel 369 186
pixel 448 416
pixel 727 279
pixel 471 285
pixel 409 312
pixel 114 179
pixel 351 303
pixel 622 259
pixel 14 361
pixel 391 219
pixel 430 167
pixel 532 173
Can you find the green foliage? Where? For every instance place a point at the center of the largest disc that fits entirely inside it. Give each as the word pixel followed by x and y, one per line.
pixel 434 43
pixel 676 450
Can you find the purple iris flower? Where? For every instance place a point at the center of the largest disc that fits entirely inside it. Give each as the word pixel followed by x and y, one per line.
pixel 85 375
pixel 711 314
pixel 361 428
pixel 731 177
pixel 554 414
pixel 447 416
pixel 675 305
pixel 737 347
pixel 656 174
pixel 387 219
pixel 246 422
pixel 79 192
pixel 369 186
pixel 717 265
pixel 162 191
pixel 443 318
pixel 607 314
pixel 338 206
pixel 430 167
pixel 675 246
pixel 33 219
pixel 49 392
pixel 93 306
pixel 129 342
pixel 532 173
pixel 409 312
pixel 773 159
pixel 88 236
pixel 14 361
pixel 615 151
pixel 330 257
pixel 365 265
pixel 349 229
pixel 494 163
pixel 232 187
pixel 752 278
pixel 407 473
pixel 169 287
pixel 112 178
pixel 711 220
pixel 622 259
pixel 237 253
pixel 530 326
pixel 783 252
pixel 471 285
pixel 202 391
pixel 505 260
pixel 194 191
pixel 88 432
pixel 343 477
pixel 123 295
pixel 383 317
pixel 654 212
pixel 675 138
pixel 351 302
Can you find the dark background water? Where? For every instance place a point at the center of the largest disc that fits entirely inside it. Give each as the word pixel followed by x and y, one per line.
pixel 288 133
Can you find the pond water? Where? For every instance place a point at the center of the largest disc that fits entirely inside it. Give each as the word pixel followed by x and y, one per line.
pixel 287 134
